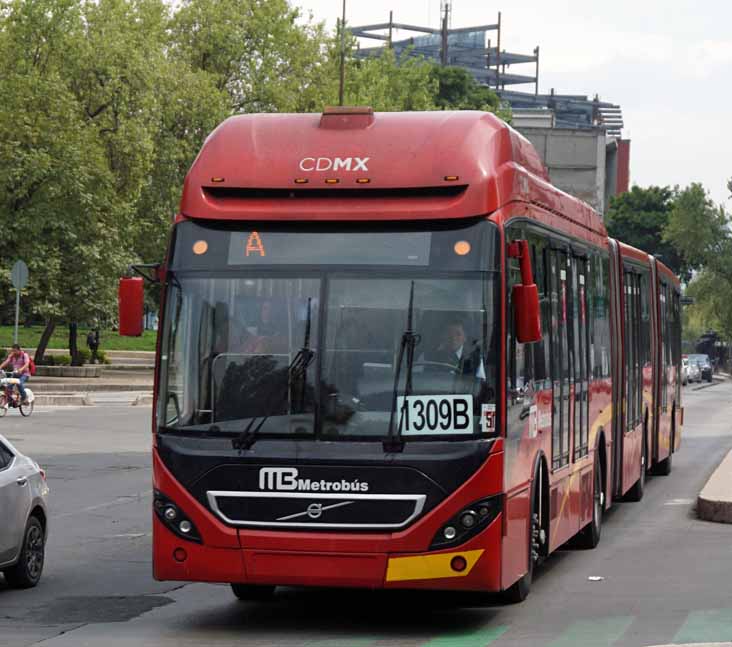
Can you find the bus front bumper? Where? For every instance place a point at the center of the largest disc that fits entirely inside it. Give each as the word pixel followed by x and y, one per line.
pixel 472 566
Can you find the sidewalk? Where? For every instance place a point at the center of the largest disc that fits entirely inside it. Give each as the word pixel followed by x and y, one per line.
pixel 130 383
pixel 714 502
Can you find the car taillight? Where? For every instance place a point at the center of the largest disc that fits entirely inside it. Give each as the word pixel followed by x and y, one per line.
pixel 42 472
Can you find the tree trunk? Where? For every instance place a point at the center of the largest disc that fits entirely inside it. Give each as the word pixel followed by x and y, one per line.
pixel 43 342
pixel 73 347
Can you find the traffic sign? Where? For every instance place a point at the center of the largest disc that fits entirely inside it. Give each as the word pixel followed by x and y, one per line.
pixel 19 275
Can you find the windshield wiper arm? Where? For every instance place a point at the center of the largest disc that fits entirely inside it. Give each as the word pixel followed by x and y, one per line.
pixel 410 339
pixel 298 367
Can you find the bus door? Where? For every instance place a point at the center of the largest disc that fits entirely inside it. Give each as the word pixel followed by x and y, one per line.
pixel 655 361
pixel 616 333
pixel 581 356
pixel 561 365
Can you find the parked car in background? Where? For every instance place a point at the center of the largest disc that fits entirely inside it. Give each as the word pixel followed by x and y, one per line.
pixel 694 372
pixel 23 517
pixel 705 366
pixel 684 370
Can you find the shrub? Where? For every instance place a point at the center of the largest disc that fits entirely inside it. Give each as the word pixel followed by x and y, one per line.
pixel 84 355
pixel 102 357
pixel 61 360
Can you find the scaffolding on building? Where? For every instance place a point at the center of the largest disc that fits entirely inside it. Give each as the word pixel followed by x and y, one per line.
pixel 479 50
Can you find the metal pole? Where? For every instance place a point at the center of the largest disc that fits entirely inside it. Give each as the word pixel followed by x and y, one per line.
pixel 391 22
pixel 343 56
pixel 17 315
pixel 443 57
pixel 498 54
pixel 536 86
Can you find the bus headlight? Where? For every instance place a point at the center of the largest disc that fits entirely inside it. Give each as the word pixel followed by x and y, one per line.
pixel 174 518
pixel 467 523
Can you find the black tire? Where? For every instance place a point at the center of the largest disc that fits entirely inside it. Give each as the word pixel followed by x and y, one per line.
pixel 590 535
pixel 520 589
pixel 635 493
pixel 26 409
pixel 26 573
pixel 663 468
pixel 253 592
pixel 3 404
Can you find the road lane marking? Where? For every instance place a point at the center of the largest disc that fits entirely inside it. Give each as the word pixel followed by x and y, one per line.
pixel 130 498
pixel 601 632
pixel 475 638
pixel 710 625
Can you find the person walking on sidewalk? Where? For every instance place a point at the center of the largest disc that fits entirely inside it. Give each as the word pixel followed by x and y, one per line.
pixel 92 341
pixel 20 363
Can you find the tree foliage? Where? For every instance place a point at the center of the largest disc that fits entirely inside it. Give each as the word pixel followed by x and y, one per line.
pixel 700 231
pixel 457 89
pixel 387 83
pixel 107 102
pixel 640 217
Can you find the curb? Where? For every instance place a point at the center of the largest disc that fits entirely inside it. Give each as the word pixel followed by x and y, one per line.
pixel 714 502
pixel 714 382
pixel 58 399
pixel 142 400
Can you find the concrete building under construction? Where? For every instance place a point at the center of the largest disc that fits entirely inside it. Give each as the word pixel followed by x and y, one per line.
pixel 578 137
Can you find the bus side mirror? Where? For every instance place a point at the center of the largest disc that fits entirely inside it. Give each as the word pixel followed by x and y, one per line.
pixel 131 304
pixel 525 297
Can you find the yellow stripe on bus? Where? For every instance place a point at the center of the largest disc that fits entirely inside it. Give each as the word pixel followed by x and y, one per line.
pixel 429 567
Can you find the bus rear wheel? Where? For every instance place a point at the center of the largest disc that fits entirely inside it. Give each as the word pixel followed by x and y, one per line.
pixel 253 592
pixel 589 536
pixel 635 493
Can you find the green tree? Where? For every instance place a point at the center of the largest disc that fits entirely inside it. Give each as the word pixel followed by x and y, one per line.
pixel 700 231
pixel 388 83
pixel 640 217
pixel 263 53
pixel 458 90
pixel 76 147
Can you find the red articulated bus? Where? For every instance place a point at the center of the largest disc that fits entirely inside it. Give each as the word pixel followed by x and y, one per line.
pixel 393 355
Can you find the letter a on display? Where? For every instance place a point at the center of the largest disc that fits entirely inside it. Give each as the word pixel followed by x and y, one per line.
pixel 255 245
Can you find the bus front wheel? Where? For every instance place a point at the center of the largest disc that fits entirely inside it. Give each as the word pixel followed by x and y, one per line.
pixel 519 590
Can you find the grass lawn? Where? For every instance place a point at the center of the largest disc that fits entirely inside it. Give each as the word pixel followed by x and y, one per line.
pixel 108 339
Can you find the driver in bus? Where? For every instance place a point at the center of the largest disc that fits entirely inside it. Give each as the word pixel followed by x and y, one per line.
pixel 451 350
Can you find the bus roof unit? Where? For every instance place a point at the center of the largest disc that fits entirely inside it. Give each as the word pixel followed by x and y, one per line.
pixel 369 166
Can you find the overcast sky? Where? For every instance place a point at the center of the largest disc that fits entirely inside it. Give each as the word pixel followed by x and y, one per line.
pixel 668 63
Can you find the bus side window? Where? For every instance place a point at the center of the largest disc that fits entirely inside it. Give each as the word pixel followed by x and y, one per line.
pixel 540 350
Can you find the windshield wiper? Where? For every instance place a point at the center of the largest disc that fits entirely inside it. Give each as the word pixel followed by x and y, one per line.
pixel 298 369
pixel 410 339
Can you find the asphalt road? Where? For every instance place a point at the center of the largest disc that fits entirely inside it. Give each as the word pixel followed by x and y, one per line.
pixel 667 576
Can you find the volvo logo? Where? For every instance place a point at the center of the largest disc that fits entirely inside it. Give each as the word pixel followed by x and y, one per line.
pixel 315 510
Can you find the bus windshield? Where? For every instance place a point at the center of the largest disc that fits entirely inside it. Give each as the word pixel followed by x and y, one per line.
pixel 305 352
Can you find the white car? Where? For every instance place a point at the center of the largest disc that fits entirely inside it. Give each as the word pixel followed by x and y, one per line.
pixel 24 515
